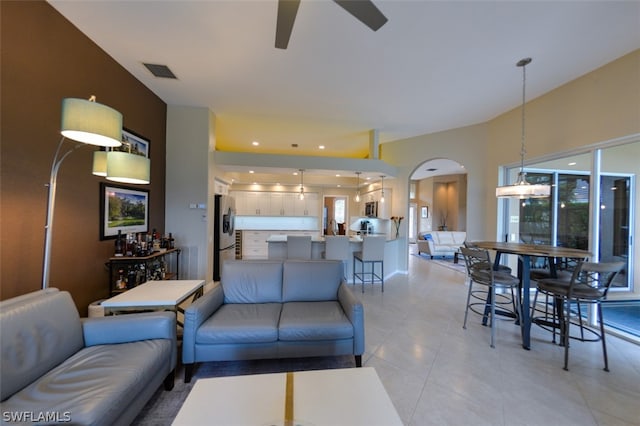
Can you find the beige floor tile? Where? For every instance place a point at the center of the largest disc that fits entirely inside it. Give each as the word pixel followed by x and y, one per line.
pixel 437 373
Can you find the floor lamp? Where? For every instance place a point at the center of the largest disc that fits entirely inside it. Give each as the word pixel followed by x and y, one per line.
pixel 89 123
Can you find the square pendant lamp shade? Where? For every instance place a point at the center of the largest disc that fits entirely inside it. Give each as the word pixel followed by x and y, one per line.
pixel 92 123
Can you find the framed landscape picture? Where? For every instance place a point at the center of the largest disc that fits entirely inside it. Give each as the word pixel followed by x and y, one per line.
pixel 122 209
pixel 139 144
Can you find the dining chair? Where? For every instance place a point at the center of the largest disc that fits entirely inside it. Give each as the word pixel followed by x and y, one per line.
pixel 501 268
pixel 299 247
pixel 480 271
pixel 589 284
pixel 372 254
pixel 543 314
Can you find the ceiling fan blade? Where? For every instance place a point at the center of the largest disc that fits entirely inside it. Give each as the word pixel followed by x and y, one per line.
pixel 287 10
pixel 365 11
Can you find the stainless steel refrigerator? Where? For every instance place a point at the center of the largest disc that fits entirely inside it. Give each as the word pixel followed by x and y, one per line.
pixel 224 240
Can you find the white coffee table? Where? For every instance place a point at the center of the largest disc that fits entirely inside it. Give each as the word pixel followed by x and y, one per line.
pixel 350 396
pixel 154 296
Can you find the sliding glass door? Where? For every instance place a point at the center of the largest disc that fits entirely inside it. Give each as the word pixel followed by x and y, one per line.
pixel 568 216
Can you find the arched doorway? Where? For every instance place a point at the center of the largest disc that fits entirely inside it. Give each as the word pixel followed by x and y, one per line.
pixel 437 197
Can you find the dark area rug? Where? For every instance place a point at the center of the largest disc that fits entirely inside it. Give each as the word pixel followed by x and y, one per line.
pixel 164 405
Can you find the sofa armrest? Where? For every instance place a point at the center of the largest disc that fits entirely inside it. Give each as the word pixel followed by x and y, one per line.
pixel 355 312
pixel 194 316
pixel 129 328
pixel 426 246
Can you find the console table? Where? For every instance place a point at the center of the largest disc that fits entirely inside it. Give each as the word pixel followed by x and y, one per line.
pixel 155 296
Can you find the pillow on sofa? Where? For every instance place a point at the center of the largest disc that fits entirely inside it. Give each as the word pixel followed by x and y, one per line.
pixel 426 237
pixel 311 280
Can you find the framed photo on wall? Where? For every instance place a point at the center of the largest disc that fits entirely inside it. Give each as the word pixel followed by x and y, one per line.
pixel 424 212
pixel 139 144
pixel 122 209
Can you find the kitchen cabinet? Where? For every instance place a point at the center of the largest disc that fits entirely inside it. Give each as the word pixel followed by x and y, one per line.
pixel 256 203
pixel 254 244
pixel 310 206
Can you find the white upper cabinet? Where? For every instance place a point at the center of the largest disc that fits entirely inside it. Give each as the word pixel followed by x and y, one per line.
pixel 255 203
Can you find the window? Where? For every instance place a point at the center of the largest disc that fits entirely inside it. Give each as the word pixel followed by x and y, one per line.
pixel 339 210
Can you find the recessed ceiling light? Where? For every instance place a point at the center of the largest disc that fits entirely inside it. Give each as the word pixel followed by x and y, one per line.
pixel 255 143
pixel 250 171
pixel 321 146
pixel 337 174
pixel 295 173
pixel 339 186
pixel 573 163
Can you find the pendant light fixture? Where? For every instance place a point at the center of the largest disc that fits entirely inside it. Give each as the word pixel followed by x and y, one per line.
pixel 301 195
pixel 382 188
pixel 521 188
pixel 357 199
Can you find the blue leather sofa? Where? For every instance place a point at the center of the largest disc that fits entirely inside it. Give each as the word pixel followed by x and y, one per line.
pixel 274 309
pixel 59 368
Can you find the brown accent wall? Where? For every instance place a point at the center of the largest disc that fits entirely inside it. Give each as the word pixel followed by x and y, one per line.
pixel 45 59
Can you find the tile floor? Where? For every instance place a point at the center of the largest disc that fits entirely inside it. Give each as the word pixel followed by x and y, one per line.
pixel 439 374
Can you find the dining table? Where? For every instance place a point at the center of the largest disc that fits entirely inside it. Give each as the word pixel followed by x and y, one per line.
pixel 525 252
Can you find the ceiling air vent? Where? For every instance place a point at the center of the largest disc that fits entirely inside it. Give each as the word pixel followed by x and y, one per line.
pixel 161 71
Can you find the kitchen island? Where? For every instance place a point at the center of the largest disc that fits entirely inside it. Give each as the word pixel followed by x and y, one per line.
pixel 278 251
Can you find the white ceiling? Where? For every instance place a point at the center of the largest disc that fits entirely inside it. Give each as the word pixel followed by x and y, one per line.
pixel 435 65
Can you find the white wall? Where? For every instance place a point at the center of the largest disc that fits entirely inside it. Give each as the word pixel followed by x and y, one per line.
pixel 190 143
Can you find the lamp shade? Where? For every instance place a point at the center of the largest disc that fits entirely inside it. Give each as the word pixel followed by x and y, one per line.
pixel 523 189
pixel 100 163
pixel 92 123
pixel 128 168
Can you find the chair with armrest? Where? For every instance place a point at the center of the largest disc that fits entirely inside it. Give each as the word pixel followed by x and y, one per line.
pixel 486 301
pixel 589 284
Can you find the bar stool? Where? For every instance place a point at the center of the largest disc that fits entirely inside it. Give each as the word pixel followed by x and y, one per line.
pixel 299 247
pixel 589 284
pixel 372 253
pixel 481 271
pixel 336 247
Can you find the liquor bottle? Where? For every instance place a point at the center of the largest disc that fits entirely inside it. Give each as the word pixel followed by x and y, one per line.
pixel 119 250
pixel 171 241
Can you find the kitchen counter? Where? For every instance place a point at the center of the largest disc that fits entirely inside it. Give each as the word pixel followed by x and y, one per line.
pixel 283 239
pixel 278 250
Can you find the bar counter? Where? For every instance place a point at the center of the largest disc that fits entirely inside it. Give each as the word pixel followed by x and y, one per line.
pixel 278 251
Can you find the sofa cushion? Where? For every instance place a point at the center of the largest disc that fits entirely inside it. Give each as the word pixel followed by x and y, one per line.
pixel 311 280
pixel 241 323
pixel 304 321
pixel 38 332
pixel 459 237
pixel 445 238
pixel 252 282
pixel 93 386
